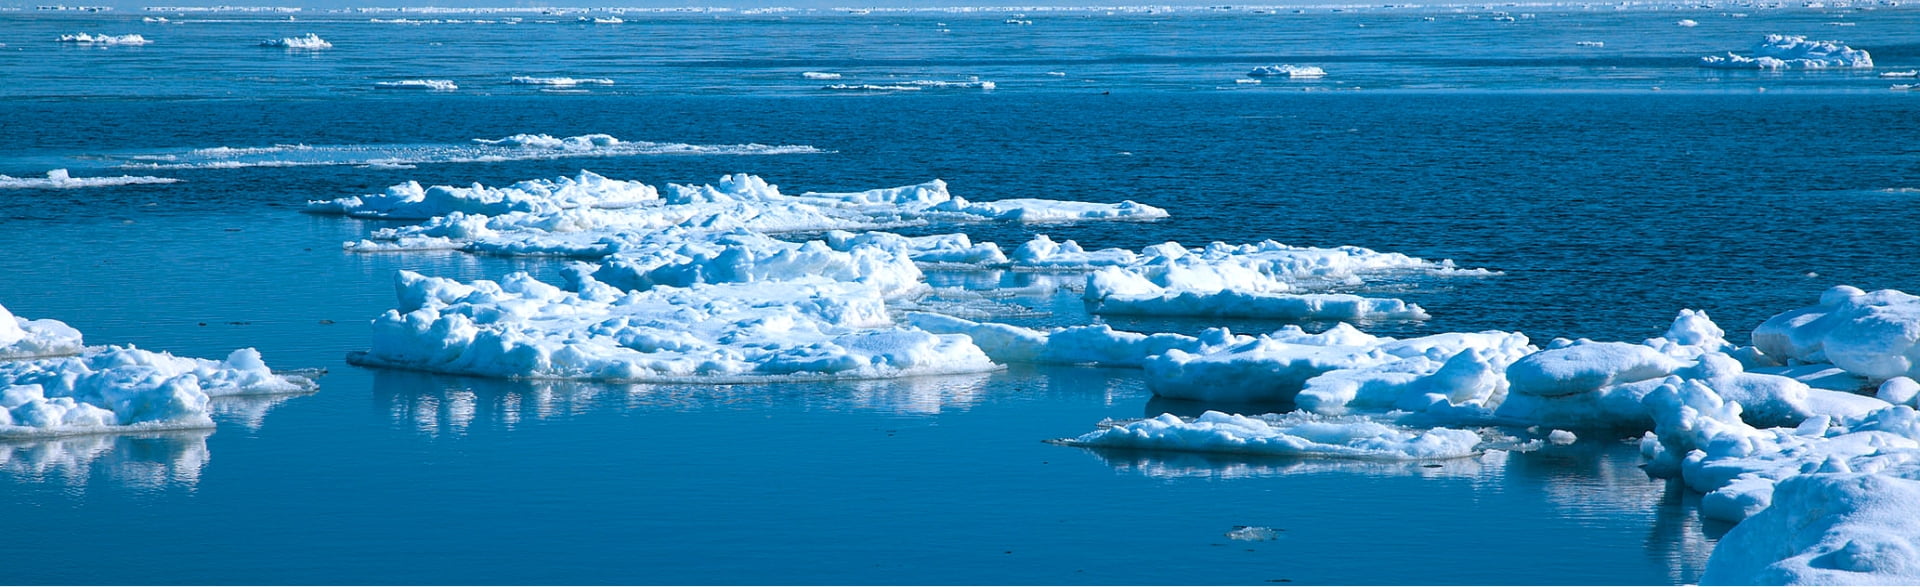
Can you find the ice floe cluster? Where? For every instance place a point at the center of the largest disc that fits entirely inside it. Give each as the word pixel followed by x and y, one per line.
pixel 438 85
pixel 520 147
pixel 104 40
pixel 1291 71
pixel 52 385
pixel 1793 52
pixel 559 81
pixel 311 42
pixel 60 179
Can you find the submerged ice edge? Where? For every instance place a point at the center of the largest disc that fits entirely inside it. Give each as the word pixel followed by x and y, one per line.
pixel 522 147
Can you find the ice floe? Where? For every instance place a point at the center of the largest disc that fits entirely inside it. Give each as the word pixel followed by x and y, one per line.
pixel 911 86
pixel 311 42
pixel 794 329
pixel 1290 71
pixel 1828 528
pixel 21 338
pixel 819 75
pixel 60 179
pixel 1290 434
pixel 1874 335
pixel 104 40
pixel 521 147
pixel 1793 52
pixel 559 81
pixel 438 85
pixel 122 389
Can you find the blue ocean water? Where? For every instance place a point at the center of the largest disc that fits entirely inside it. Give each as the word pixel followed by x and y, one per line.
pixel 1608 204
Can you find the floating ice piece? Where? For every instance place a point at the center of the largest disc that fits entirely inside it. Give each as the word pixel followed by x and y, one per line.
pixel 1342 366
pixel 410 201
pixel 1793 52
pixel 1688 23
pixel 104 40
pixel 1290 71
pixel 1873 335
pixel 873 88
pixel 438 85
pixel 1298 434
pixel 747 257
pixel 521 147
pixel 602 20
pixel 125 390
pixel 559 81
pixel 954 248
pixel 59 179
pixel 782 330
pixel 1276 306
pixel 311 42
pixel 914 86
pixel 737 202
pixel 1907 73
pixel 1590 43
pixel 1825 529
pixel 1095 344
pixel 1254 533
pixel 21 338
pixel 819 75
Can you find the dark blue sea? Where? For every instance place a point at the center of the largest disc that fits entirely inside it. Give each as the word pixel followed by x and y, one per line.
pixel 1611 186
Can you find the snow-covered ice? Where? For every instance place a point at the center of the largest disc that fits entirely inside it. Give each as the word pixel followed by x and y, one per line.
pixel 410 201
pixel 520 147
pixel 60 179
pixel 1290 71
pixel 438 85
pixel 803 328
pixel 1793 52
pixel 819 75
pixel 1826 528
pixel 123 389
pixel 311 42
pixel 1875 335
pixel 21 338
pixel 1291 434
pixel 104 40
pixel 559 81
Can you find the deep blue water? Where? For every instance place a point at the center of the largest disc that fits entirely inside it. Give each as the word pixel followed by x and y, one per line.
pixel 1609 207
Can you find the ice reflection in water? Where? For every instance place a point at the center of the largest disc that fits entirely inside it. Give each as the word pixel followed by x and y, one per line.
pixel 446 404
pixel 249 411
pixel 1185 465
pixel 146 461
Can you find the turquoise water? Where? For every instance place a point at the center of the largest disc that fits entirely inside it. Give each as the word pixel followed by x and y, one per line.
pixel 1608 205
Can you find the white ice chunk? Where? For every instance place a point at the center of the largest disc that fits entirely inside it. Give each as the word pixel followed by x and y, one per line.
pixel 559 81
pixel 60 179
pixel 1292 71
pixel 1825 529
pixel 1793 52
pixel 21 338
pixel 410 201
pixel 311 42
pixel 1291 434
pixel 104 40
pixel 1872 335
pixel 126 389
pixel 438 85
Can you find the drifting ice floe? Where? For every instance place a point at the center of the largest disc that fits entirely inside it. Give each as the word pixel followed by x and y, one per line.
pixel 21 338
pixel 438 85
pixel 86 39
pixel 1295 71
pixel 59 179
pixel 1907 73
pixel 311 42
pixel 737 202
pixel 126 389
pixel 521 147
pixel 1688 23
pixel 1291 434
pixel 819 75
pixel 1793 52
pixel 565 82
pixel 796 328
pixel 409 201
pixel 1873 335
pixel 915 85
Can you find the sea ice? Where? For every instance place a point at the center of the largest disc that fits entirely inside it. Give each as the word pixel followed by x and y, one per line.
pixel 1291 71
pixel 311 42
pixel 1824 528
pixel 819 75
pixel 1875 335
pixel 86 39
pixel 560 81
pixel 410 201
pixel 60 179
pixel 1291 434
pixel 521 147
pixel 438 85
pixel 1793 52
pixel 122 389
pixel 810 328
pixel 21 338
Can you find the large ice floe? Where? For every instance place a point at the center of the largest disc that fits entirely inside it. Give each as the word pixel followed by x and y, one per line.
pixel 61 179
pixel 103 40
pixel 114 389
pixel 520 147
pixel 1290 434
pixel 438 85
pixel 311 42
pixel 1793 52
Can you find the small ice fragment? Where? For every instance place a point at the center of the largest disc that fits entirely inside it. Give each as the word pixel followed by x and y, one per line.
pixel 1561 437
pixel 311 42
pixel 438 85
pixel 1689 23
pixel 1254 533
pixel 819 75
pixel 1291 71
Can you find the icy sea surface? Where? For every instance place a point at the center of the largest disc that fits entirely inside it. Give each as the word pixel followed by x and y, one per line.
pixel 1579 150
